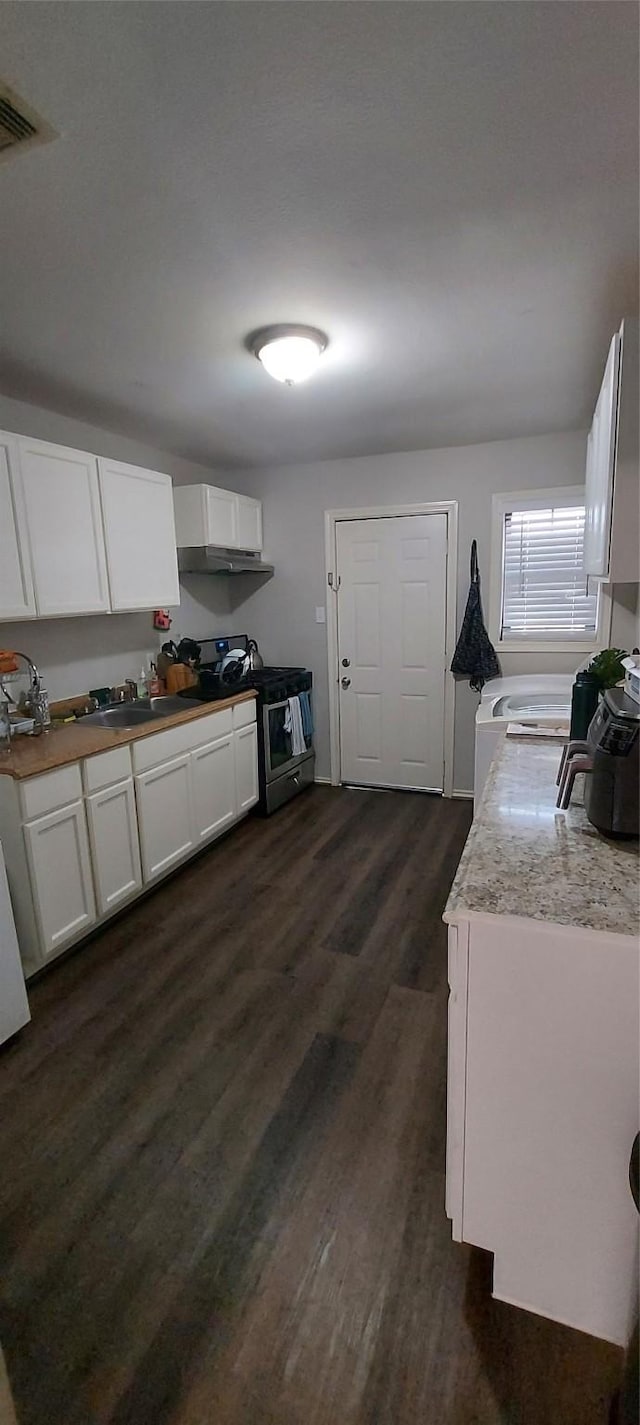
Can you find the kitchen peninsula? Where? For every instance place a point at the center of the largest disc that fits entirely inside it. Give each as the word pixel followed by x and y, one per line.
pixel 543 1048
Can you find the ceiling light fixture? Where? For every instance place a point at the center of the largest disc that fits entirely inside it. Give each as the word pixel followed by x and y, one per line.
pixel 289 353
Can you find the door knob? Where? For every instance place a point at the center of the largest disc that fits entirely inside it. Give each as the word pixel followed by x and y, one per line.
pixel 346 682
pixel 346 662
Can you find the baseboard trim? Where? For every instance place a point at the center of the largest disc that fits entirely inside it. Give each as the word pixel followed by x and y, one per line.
pixel 457 792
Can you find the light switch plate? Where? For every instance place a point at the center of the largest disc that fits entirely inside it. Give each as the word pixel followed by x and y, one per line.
pixel 321 614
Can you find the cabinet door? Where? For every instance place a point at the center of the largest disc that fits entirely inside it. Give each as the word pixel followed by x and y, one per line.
pixel 59 863
pixel 113 832
pixel 140 537
pixel 213 787
pixel 600 468
pixel 165 818
pixel 458 951
pixel 249 523
pixel 246 757
pixel 17 598
pixel 221 516
pixel 64 522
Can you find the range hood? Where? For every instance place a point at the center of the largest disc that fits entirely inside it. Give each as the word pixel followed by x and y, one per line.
pixel 211 559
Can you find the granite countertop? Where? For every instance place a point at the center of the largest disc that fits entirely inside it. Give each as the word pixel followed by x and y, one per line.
pixel 29 756
pixel 525 858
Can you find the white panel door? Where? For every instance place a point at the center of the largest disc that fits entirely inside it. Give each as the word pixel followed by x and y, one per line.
pixel 213 787
pixel 246 758
pixel 140 536
pixel 113 832
pixel 165 817
pixel 221 516
pixel 391 650
pixel 62 887
pixel 17 599
pixel 600 468
pixel 249 531
pixel 64 520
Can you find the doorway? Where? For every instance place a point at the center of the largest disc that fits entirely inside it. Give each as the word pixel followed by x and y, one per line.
pixel 391 625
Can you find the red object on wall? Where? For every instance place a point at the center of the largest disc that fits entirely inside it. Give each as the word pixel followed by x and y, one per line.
pixel 161 619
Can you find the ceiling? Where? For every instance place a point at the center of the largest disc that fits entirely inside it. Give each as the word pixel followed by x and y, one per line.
pixel 450 190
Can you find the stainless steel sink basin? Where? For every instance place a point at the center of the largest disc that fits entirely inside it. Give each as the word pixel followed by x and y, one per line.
pixel 124 715
pixel 168 703
pixel 128 715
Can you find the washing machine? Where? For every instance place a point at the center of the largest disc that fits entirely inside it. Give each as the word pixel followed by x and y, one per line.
pixel 536 699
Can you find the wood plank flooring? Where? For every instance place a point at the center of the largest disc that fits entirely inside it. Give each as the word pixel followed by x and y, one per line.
pixel 222 1147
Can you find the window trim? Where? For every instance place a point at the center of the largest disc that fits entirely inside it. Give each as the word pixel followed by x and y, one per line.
pixel 501 505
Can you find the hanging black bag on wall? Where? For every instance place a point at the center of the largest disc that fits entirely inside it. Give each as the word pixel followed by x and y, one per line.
pixel 475 657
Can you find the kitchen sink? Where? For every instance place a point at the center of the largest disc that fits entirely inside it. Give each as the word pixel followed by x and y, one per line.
pixel 168 703
pixel 123 715
pixel 128 715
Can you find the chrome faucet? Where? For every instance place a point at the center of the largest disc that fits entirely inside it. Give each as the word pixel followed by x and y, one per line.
pixel 38 696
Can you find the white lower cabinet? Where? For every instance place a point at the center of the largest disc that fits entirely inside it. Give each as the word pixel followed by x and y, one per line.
pixel 542 1110
pixel 213 787
pixel 165 817
pixel 113 833
pixel 82 840
pixel 61 884
pixel 246 759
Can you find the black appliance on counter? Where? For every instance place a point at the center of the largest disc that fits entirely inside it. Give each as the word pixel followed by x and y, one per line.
pixel 281 773
pixel 612 787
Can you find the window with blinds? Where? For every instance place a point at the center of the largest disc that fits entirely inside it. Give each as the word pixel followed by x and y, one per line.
pixel 544 593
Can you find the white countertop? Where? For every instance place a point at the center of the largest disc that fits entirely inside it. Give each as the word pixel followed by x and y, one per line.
pixel 525 858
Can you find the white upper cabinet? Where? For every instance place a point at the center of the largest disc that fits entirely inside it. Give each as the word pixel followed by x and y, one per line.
pixel 220 516
pixel 17 599
pixel 206 515
pixel 82 535
pixel 64 526
pixel 137 508
pixel 612 483
pixel 249 523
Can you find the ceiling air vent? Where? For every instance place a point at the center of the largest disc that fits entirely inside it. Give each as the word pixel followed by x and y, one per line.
pixel 20 126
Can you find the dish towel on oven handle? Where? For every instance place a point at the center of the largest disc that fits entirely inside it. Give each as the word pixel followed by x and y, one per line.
pixel 307 715
pixel 293 725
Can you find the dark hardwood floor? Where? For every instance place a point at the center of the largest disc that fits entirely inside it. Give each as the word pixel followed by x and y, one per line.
pixel 222 1185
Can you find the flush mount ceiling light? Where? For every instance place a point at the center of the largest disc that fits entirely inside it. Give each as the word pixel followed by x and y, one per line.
pixel 288 353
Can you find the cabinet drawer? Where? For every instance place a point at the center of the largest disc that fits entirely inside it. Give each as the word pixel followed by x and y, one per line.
pixel 150 751
pixel 105 768
pixel 39 795
pixel 244 714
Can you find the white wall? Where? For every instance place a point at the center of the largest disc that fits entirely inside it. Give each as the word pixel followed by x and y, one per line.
pixel 281 614
pixel 75 654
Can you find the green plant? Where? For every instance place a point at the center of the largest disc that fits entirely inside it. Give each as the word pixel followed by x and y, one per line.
pixel 607 666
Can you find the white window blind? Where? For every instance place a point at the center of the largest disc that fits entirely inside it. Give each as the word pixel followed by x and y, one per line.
pixel 544 585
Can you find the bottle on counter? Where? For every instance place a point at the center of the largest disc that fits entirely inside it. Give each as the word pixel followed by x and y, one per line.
pixel 153 682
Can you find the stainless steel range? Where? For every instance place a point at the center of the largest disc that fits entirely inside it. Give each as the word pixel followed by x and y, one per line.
pixel 286 756
pixel 286 763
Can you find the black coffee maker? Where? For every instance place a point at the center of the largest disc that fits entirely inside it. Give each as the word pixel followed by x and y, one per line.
pixel 612 787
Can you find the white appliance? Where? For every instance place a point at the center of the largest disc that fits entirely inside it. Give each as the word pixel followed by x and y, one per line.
pixel 14 1006
pixel 535 699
